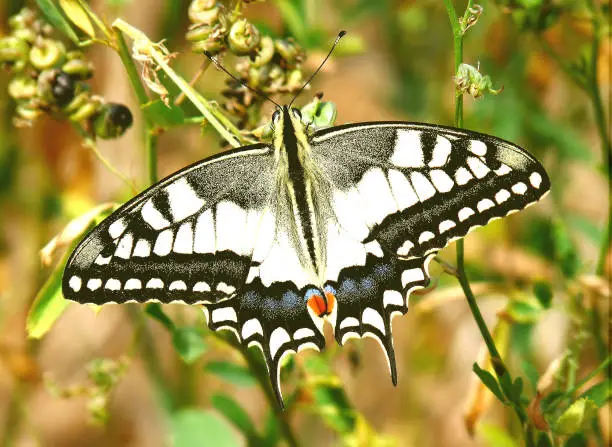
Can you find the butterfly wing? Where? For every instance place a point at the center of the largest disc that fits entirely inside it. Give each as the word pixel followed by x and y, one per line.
pixel 405 191
pixel 188 238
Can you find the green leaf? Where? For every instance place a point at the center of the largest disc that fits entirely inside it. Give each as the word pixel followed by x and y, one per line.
pixel 489 381
pixel 271 436
pixel 163 116
pixel 49 303
pixel 578 440
pixel 543 293
pixel 232 373
pixel 577 417
pixel 155 311
pixel 197 428
pixel 532 374
pixel 235 414
pixel 55 17
pixel 189 343
pixel 524 310
pixel 600 393
pixel 77 15
pixel 495 436
pixel 544 441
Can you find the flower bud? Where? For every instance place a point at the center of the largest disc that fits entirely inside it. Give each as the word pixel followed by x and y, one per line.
pixel 77 67
pixel 243 38
pixel 14 52
pixel 204 11
pixel 265 52
pixel 22 87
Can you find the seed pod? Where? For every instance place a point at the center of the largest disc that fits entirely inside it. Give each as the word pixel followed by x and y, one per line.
pixel 47 53
pixel 265 52
pixel 243 38
pixel 290 51
pixel 112 121
pixel 204 11
pixel 207 39
pixel 23 19
pixel 77 66
pixel 22 87
pixel 14 53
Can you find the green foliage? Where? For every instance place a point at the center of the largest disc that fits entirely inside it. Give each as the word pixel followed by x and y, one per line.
pixel 192 427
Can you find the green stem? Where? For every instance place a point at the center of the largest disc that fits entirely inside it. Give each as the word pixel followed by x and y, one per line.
pixel 261 374
pixel 496 360
pixel 603 366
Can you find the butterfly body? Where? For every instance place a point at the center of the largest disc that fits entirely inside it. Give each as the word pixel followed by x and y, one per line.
pixel 337 225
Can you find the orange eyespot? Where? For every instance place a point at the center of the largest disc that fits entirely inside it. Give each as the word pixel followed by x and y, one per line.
pixel 317 304
pixel 331 301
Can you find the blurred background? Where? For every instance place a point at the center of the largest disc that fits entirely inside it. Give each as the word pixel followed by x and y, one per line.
pixel 129 376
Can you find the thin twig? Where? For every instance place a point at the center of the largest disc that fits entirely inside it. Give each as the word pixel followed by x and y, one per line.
pixel 203 67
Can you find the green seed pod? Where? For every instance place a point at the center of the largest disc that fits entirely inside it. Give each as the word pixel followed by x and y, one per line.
pixel 294 79
pixel 14 52
pixel 80 100
pixel 23 19
pixel 78 69
pixel 112 120
pixel 198 33
pixel 47 53
pixel 27 112
pixel 22 87
pixel 207 38
pixel 290 51
pixel 204 11
pixel 243 38
pixel 265 52
pixel 26 34
pixel 86 111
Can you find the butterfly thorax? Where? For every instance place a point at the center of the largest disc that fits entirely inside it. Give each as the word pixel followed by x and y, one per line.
pixel 296 181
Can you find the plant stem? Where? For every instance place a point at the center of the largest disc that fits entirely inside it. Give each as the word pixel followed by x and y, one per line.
pixel 458 32
pixel 261 374
pixel 603 366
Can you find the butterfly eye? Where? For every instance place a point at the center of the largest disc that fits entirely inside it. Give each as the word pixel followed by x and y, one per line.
pixel 275 117
pixel 297 113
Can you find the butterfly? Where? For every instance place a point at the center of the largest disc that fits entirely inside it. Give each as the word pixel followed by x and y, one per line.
pixel 334 225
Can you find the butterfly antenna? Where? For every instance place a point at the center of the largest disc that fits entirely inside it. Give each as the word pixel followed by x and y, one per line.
pixel 340 35
pixel 240 81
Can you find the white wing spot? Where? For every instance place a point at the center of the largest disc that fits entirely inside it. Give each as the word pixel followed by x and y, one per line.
pixel 113 284
pixel 446 225
pixel 478 147
pixel 183 243
pixel 465 213
pixel 376 192
pixel 503 170
pixel 133 284
pixel 225 288
pixel 224 314
pixel 502 195
pixel 201 286
pixel 303 332
pixel 278 338
pixel 535 179
pixel 117 228
pixel 423 187
pixel 412 275
pixel 231 228
pixel 251 327
pixel 163 244
pixel 101 260
pixel 124 248
pixel 75 283
pixel 519 188
pixel 408 152
pixel 426 236
pixel 479 169
pixel 142 249
pixel 373 247
pixel 402 189
pixel 441 151
pixel 349 322
pixel 177 285
pixel 484 205
pixel 392 298
pixel 155 283
pixel 373 318
pixel 205 233
pixel 462 176
pixel 94 284
pixel 405 248
pixel 441 180
pixel 184 202
pixel 153 217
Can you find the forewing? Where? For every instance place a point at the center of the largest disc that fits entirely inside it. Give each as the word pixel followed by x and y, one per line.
pixel 188 238
pixel 415 187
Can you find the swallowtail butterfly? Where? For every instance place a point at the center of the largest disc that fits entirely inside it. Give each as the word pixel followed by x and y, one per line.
pixel 334 225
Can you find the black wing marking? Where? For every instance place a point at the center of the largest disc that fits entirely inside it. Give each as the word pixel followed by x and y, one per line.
pixel 369 296
pixel 274 318
pixel 415 187
pixel 188 238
